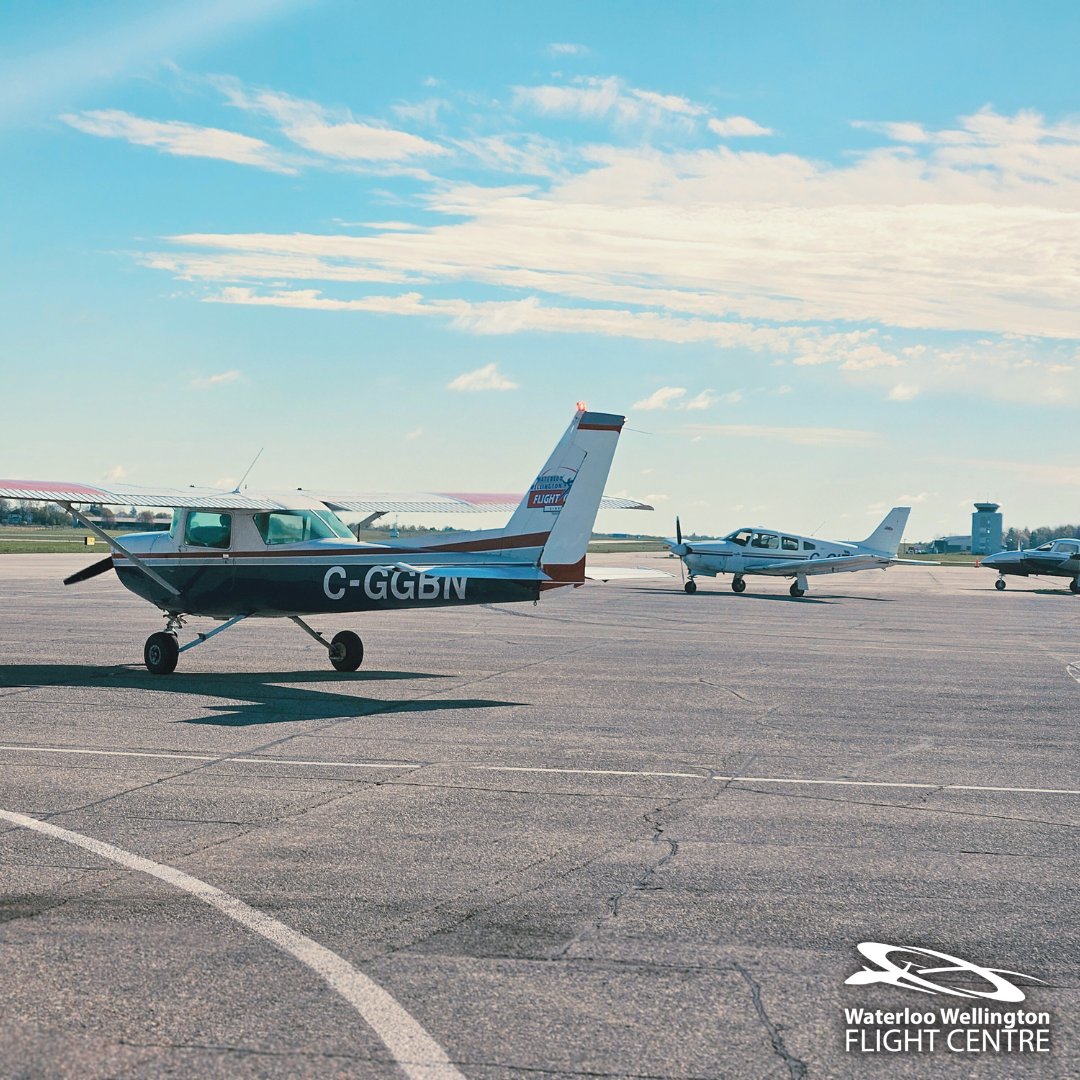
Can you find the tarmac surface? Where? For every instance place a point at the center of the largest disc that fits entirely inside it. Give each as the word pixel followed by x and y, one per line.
pixel 624 833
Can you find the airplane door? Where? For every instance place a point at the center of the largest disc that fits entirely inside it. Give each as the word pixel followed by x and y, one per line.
pixel 208 548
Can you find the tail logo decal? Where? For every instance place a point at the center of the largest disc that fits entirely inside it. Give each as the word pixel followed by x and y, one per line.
pixel 549 492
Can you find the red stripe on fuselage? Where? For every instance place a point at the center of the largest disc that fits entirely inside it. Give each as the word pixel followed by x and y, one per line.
pixel 287 551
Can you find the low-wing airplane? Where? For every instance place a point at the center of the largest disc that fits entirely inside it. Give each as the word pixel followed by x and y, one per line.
pixel 759 550
pixel 232 555
pixel 1058 558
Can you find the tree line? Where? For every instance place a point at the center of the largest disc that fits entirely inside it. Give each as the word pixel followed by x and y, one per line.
pixel 35 513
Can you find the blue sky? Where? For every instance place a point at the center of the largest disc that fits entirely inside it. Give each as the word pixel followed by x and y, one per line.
pixel 825 256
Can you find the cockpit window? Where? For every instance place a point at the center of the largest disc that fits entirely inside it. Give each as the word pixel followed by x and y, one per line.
pixel 296 526
pixel 741 537
pixel 1044 547
pixel 208 530
pixel 1069 547
pixel 765 540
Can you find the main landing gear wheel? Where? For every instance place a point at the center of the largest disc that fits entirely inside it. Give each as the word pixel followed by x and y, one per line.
pixel 738 584
pixel 160 653
pixel 346 651
pixel 1074 586
pixel 1000 584
pixel 690 586
pixel 796 591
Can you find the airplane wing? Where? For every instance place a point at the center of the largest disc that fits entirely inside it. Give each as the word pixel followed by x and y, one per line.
pixel 208 498
pixel 135 495
pixel 442 502
pixel 838 565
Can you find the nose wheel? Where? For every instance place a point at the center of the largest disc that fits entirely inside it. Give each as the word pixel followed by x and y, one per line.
pixel 160 653
pixel 738 584
pixel 1000 584
pixel 690 586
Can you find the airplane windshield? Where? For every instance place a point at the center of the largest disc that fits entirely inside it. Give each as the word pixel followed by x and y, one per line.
pixel 741 537
pixel 296 526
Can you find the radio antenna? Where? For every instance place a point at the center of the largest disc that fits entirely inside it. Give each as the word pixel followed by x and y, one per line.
pixel 240 482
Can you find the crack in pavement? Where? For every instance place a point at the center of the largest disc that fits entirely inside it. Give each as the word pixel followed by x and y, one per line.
pixel 640 884
pixel 796 1067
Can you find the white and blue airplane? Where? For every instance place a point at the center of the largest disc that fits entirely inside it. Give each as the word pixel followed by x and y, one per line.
pixel 234 555
pixel 760 550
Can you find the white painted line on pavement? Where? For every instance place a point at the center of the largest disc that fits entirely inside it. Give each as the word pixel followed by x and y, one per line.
pixel 417 1054
pixel 210 757
pixel 582 772
pixel 723 778
pixel 897 784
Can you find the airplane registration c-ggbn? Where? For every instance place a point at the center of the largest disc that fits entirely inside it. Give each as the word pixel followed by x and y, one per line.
pixel 232 555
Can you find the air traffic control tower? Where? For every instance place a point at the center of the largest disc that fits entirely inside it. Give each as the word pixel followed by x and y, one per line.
pixel 985 529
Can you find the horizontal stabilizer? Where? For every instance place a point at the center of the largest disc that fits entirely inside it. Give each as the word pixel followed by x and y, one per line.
pixel 623 573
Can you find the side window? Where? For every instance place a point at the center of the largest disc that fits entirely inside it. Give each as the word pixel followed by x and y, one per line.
pixel 789 543
pixel 807 546
pixel 765 540
pixel 208 530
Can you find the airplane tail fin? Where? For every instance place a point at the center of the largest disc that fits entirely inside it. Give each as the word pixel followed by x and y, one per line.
pixel 565 497
pixel 886 537
pixel 554 520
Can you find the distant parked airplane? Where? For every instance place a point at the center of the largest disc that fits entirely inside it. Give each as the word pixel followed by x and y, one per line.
pixel 760 550
pixel 1057 558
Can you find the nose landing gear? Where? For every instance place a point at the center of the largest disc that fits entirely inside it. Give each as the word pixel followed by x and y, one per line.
pixel 1000 584
pixel 738 584
pixel 160 653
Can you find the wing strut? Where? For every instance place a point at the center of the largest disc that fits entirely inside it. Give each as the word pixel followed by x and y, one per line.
pixel 117 546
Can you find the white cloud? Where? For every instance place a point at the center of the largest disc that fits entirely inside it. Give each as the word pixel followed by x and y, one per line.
pixel 566 48
pixel 487 377
pixel 597 98
pixel 333 133
pixel 414 434
pixel 702 400
pixel 207 382
pixel 180 139
pixel 737 126
pixel 660 399
pixel 902 392
pixel 970 230
pixel 117 472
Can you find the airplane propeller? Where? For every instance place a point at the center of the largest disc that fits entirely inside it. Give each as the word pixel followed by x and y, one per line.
pixel 680 549
pixel 90 571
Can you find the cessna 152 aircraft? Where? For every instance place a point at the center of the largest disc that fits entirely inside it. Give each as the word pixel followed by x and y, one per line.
pixel 758 550
pixel 232 555
pixel 1058 558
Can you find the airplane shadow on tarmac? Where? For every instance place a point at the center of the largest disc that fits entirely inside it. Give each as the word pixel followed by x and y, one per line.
pixel 266 697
